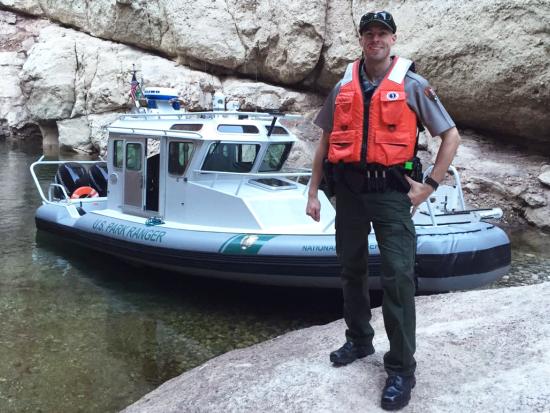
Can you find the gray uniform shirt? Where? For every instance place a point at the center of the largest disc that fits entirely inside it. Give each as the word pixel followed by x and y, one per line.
pixel 420 98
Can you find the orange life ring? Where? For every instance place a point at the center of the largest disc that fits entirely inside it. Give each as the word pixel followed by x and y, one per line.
pixel 84 192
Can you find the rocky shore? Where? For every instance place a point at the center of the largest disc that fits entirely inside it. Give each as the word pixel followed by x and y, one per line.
pixel 477 351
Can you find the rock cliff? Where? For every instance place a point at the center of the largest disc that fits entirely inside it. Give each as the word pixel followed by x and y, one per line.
pixel 489 62
pixel 489 59
pixel 479 351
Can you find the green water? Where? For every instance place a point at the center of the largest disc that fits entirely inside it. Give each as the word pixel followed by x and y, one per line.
pixel 83 332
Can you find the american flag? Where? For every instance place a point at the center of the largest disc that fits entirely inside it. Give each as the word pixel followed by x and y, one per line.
pixel 134 85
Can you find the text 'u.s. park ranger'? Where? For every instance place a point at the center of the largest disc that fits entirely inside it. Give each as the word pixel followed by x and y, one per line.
pixel 370 125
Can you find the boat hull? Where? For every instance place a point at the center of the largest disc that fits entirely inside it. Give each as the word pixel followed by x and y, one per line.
pixel 454 257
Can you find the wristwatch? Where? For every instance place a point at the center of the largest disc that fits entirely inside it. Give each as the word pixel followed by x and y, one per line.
pixel 432 182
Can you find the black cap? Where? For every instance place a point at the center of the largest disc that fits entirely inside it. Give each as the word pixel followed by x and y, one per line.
pixel 382 17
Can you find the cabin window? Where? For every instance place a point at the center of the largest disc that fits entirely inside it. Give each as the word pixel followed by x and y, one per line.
pixel 275 157
pixel 118 153
pixel 230 157
pixel 133 157
pixel 238 129
pixel 193 127
pixel 277 130
pixel 179 154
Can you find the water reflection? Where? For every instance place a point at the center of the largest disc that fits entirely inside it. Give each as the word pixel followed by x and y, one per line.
pixel 144 327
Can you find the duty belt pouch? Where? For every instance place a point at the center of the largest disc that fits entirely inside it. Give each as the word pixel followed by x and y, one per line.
pixel 416 173
pixel 375 179
pixel 397 176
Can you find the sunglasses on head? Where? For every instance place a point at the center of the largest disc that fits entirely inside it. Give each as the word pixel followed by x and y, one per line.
pixel 379 15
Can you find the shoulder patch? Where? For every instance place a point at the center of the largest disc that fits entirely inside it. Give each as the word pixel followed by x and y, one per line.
pixel 430 93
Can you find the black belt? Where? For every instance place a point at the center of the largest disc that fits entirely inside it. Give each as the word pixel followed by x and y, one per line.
pixel 372 178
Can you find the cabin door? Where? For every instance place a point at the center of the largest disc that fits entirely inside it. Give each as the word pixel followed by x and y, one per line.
pixel 134 174
pixel 180 153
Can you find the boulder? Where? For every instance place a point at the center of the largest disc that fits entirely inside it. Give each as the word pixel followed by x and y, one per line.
pixel 477 351
pixel 48 75
pixel 475 55
pixel 12 101
pixel 17 35
pixel 283 40
pixel 540 217
pixel 480 73
pixel 340 47
pixel 544 178
pixel 70 76
pixel 74 134
pixel 534 200
pixel 87 133
pixel 259 96
pixel 272 41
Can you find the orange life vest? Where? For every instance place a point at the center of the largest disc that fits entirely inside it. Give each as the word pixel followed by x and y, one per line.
pixel 391 134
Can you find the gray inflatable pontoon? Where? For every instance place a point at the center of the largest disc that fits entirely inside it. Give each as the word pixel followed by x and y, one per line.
pixel 206 194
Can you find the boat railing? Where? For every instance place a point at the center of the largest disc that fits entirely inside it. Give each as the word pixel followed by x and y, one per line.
pixel 52 186
pixel 454 173
pixel 153 131
pixel 208 115
pixel 484 213
pixel 245 176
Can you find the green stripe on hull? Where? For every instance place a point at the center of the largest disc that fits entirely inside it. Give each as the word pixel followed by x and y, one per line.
pixel 245 244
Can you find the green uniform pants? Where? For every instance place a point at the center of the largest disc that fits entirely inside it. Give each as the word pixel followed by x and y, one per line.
pixel 390 215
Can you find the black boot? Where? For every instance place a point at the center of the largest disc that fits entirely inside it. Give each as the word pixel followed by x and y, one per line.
pixel 350 352
pixel 397 392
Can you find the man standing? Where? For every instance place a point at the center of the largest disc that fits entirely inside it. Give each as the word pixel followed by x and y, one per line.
pixel 369 124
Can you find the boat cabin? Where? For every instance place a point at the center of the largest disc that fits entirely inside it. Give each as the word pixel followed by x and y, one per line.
pixel 201 168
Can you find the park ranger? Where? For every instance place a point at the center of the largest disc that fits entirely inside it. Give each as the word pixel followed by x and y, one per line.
pixel 370 127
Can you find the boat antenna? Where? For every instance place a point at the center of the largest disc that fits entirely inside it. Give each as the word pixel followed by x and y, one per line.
pixel 272 126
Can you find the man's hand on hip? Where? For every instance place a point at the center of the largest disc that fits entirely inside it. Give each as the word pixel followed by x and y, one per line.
pixel 419 192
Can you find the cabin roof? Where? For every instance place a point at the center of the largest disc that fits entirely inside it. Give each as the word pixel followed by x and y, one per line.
pixel 227 126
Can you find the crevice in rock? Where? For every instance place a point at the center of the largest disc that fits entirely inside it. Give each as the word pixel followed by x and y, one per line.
pixel 310 82
pixel 351 15
pixel 115 24
pixel 239 35
pixel 165 29
pixel 87 11
pixel 30 133
pixel 189 61
pixel 22 13
pixel 77 66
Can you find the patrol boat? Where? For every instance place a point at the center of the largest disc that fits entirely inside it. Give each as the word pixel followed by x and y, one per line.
pixel 207 194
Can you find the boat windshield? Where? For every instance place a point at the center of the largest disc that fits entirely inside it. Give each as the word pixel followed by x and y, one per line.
pixel 230 157
pixel 275 157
